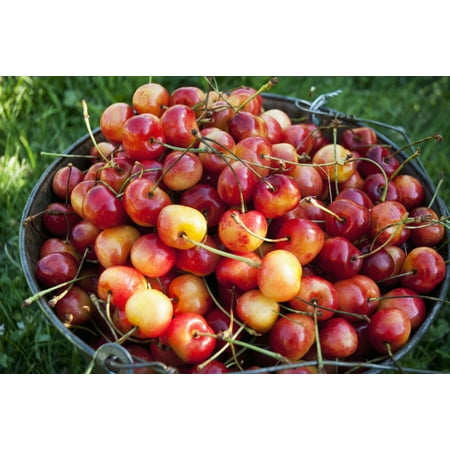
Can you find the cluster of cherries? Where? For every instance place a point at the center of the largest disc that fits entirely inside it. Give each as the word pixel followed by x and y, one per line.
pixel 213 236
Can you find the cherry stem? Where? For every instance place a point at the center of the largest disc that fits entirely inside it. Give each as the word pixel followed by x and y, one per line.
pixel 219 252
pixel 238 220
pixel 320 366
pixel 389 351
pixel 248 345
pixel 425 297
pixel 416 154
pixel 383 172
pixel 373 250
pixel 435 137
pixel 229 315
pixel 265 87
pixel 88 126
pixel 325 308
pixel 316 204
pixel 435 193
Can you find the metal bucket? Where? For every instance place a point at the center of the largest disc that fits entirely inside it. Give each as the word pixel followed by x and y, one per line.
pixel 113 358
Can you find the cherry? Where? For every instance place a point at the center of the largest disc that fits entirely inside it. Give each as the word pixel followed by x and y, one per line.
pixel 65 179
pixel 276 195
pixel 58 219
pixel 198 260
pixel 57 245
pixel 279 276
pixel 143 137
pixel 389 330
pixel 181 170
pixel 191 96
pixel 358 138
pixel 116 173
pixel 300 137
pixel 348 219
pixel 190 337
pixel 56 268
pixel 143 200
pixel 257 311
pixel 74 308
pixel 384 160
pixel 150 310
pixel 113 245
pixel 292 335
pixel 188 293
pixel 339 258
pixel 408 301
pixel 338 338
pixel 378 190
pixel 424 269
pixel 427 230
pixel 410 191
pixel 150 98
pixel 215 148
pixel 113 119
pixel 151 256
pixel 180 127
pixel 103 208
pixel 316 293
pixel 305 239
pixel 334 163
pixel 254 150
pixel 244 125
pixel 242 232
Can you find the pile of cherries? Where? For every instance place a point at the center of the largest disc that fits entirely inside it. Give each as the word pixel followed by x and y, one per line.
pixel 214 236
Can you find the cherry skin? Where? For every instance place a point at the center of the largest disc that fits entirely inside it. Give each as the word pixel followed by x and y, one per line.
pixel 305 239
pixel 113 245
pixel 244 125
pixel 78 193
pixel 389 326
pixel 215 149
pixel 143 137
pixel 103 208
pixel 150 98
pixel 426 230
pixel 242 232
pixel 59 219
pixel 151 256
pixel 151 311
pixel 257 311
pixel 57 245
pixel 181 170
pixel 282 155
pixel 359 138
pixel 408 301
pixel 191 96
pixel 300 137
pixel 352 221
pixel 75 308
pixel 338 338
pixel 274 130
pixel 116 173
pixel 292 335
pixel 213 367
pixel 254 150
pixel 56 268
pixel 180 126
pixel 206 199
pixel 382 156
pixel 197 260
pixel 188 293
pixel 375 186
pixel 176 222
pixel 65 179
pixel 245 99
pixel 143 200
pixel 233 273
pixel 236 183
pixel 387 223
pixel 424 270
pixel 113 119
pixel 335 163
pixel 319 291
pixel 276 195
pixel 309 180
pixel 118 283
pixel 357 195
pixel 339 258
pixel 279 276
pixel 410 191
pixel 190 337
pixel 281 117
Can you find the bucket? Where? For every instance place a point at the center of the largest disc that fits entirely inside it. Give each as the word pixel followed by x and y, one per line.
pixel 114 358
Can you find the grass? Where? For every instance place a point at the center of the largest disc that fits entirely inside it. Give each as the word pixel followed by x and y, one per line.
pixel 44 114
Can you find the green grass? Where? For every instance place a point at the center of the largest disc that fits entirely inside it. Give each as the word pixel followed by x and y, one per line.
pixel 44 114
